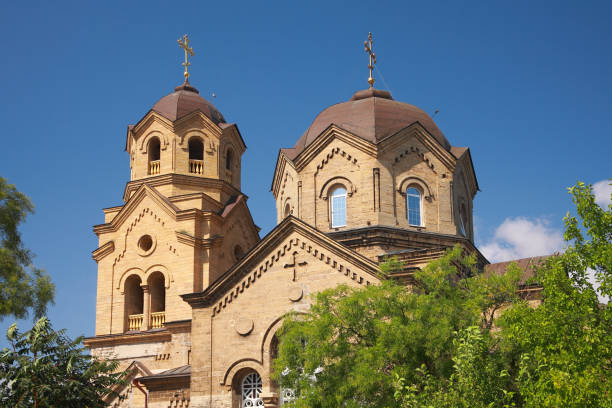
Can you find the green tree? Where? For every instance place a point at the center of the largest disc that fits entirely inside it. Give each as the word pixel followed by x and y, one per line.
pixel 459 341
pixel 356 347
pixel 22 286
pixel 561 351
pixel 44 369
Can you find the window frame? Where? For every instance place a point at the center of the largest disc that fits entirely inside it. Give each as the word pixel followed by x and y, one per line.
pixel 257 387
pixel 191 149
pixel 420 209
pixel 332 198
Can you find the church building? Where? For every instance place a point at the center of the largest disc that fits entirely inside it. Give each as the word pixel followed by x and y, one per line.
pixel 183 270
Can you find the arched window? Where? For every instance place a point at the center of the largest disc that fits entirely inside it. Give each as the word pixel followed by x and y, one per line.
pixel 238 252
pixel 463 220
pixel 413 206
pixel 228 159
pixel 287 211
pixel 196 155
pixel 154 156
pixel 196 149
pixel 338 207
pixel 133 302
pixel 157 290
pixel 251 388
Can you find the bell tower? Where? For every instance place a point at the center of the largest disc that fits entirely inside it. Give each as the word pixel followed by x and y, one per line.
pixel 184 134
pixel 184 221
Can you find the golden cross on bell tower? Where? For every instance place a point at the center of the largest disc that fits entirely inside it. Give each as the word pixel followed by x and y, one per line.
pixel 369 47
pixel 184 44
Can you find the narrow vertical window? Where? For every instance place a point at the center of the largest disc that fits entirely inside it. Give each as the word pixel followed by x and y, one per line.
pixel 463 221
pixel 133 303
pixel 157 289
pixel 196 155
pixel 154 156
pixel 228 159
pixel 287 211
pixel 413 206
pixel 338 207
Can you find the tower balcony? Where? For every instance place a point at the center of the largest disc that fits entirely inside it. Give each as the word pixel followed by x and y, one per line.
pixel 196 166
pixel 154 167
pixel 158 319
pixel 135 322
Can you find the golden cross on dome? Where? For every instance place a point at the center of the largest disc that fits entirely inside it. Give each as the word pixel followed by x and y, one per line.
pixel 184 44
pixel 369 47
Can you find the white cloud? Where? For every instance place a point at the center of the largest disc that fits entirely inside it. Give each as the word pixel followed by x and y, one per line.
pixel 521 237
pixel 602 190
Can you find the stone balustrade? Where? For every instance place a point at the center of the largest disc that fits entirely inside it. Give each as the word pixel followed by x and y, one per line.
pixel 158 319
pixel 135 321
pixel 154 167
pixel 196 166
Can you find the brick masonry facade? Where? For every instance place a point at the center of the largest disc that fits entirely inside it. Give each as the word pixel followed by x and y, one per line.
pixel 189 296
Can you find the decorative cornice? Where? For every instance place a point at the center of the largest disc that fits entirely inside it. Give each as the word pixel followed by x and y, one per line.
pixel 181 124
pixel 143 191
pixel 192 241
pixel 472 181
pixel 199 196
pixel 110 340
pixel 334 152
pixel 109 210
pixel 403 238
pixel 279 170
pixel 150 117
pixel 178 325
pixel 104 250
pixel 325 138
pixel 182 179
pixel 247 271
pixel 424 137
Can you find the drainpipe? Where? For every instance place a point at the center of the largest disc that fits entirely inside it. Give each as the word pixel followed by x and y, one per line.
pixel 135 382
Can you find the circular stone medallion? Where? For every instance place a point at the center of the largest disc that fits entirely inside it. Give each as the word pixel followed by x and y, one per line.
pixel 244 326
pixel 295 293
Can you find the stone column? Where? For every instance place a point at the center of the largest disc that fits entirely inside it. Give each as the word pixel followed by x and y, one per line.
pixel 270 399
pixel 146 307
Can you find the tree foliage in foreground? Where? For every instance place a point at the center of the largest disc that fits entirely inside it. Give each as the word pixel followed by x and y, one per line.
pixel 354 345
pixel 44 369
pixel 22 286
pixel 437 346
pixel 561 351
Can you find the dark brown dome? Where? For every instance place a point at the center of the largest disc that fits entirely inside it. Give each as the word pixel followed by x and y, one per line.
pixel 371 114
pixel 184 100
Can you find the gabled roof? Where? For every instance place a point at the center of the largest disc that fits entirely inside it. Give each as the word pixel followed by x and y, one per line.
pixel 464 154
pixel 527 265
pixel 268 245
pixel 183 371
pixel 143 191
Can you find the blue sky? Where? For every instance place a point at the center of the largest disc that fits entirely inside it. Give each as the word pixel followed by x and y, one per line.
pixel 526 85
